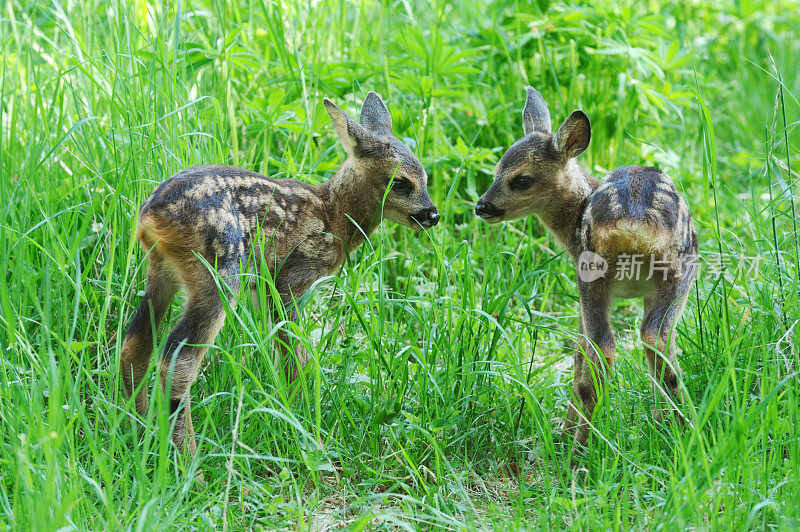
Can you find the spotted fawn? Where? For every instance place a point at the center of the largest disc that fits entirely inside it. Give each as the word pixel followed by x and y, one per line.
pixel 630 235
pixel 226 216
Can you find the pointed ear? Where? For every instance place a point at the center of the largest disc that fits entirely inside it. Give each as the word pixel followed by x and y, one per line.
pixel 535 115
pixel 375 116
pixel 573 136
pixel 349 132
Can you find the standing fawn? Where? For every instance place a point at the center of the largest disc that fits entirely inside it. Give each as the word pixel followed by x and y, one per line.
pixel 229 215
pixel 630 235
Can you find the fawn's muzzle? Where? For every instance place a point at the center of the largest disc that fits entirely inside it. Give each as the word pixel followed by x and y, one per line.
pixel 426 217
pixel 486 209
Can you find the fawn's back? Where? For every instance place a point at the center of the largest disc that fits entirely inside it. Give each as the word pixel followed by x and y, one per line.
pixel 217 211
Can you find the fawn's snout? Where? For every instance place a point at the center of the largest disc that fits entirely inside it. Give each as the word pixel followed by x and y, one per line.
pixel 488 211
pixel 427 218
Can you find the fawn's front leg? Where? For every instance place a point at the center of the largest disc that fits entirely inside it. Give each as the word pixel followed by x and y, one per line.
pixel 289 361
pixel 590 365
pixel 293 280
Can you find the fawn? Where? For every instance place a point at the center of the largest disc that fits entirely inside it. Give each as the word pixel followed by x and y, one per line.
pixel 633 221
pixel 223 213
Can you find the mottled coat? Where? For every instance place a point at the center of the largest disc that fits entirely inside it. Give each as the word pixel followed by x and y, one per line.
pixel 633 218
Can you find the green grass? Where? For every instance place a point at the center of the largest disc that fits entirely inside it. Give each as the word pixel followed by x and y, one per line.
pixel 441 360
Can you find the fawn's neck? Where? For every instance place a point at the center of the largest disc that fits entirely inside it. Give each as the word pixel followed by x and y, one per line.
pixel 564 217
pixel 352 202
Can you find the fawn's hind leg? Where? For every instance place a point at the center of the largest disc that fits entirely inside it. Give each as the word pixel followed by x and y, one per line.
pixel 590 365
pixel 661 312
pixel 138 344
pixel 188 342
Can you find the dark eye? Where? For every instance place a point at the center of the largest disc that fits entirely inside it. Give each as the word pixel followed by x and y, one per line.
pixel 521 182
pixel 401 186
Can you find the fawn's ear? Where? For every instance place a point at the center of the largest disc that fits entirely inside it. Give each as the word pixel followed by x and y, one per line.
pixel 375 116
pixel 351 134
pixel 573 136
pixel 535 114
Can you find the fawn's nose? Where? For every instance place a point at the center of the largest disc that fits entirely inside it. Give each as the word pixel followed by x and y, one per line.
pixel 486 209
pixel 427 217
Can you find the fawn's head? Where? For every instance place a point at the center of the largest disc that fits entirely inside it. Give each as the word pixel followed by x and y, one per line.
pixel 384 161
pixel 533 176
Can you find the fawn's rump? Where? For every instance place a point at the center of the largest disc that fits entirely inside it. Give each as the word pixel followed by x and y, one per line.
pixel 633 237
pixel 637 210
pixel 158 235
pixel 171 252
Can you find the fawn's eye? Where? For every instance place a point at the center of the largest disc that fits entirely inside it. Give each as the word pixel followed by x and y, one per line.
pixel 401 186
pixel 521 182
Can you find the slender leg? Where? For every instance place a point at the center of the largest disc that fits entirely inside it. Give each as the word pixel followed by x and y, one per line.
pixel 569 426
pixel 661 312
pixel 184 351
pixel 289 361
pixel 595 355
pixel 138 344
pixel 292 280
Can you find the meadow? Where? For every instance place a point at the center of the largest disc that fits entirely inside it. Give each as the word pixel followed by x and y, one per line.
pixel 441 360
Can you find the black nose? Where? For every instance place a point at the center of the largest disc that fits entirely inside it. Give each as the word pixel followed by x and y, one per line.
pixel 426 217
pixel 485 209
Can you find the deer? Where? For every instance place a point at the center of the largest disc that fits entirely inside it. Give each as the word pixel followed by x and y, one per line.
pixel 224 216
pixel 630 235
